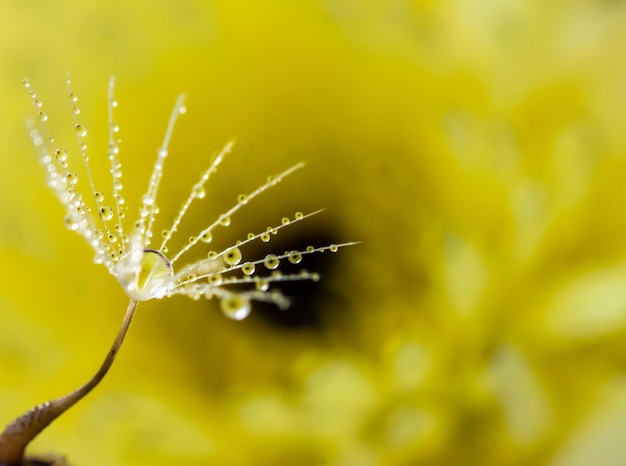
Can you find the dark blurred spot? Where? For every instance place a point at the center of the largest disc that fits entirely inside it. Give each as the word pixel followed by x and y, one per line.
pixel 307 297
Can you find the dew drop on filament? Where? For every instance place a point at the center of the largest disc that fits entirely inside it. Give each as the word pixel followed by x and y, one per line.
pixel 106 212
pixel 81 130
pixel 235 307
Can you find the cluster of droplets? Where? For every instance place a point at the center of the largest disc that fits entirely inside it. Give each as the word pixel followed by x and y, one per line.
pixel 145 272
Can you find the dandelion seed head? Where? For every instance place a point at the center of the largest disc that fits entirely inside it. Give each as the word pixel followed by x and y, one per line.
pixel 145 271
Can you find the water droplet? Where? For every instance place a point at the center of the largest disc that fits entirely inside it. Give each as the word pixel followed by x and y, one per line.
pixel 294 257
pixel 206 237
pixel 70 223
pixel 265 237
pixel 73 97
pixel 81 130
pixel 99 197
pixel 61 155
pixel 164 233
pixel 242 199
pixel 285 221
pixel 310 249
pixel 333 248
pixel 233 256
pixel 37 103
pixel 215 279
pixel 247 268
pixel 272 180
pixel 106 212
pixel 299 215
pixel 191 277
pixel 235 307
pixel 251 235
pixel 198 192
pixel 211 255
pixel 271 261
pixel 225 221
pixel 43 116
pixel 192 239
pixel 25 83
pixel 72 179
pixel 262 285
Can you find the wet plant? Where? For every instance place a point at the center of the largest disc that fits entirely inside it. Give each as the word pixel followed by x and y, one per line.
pixel 144 268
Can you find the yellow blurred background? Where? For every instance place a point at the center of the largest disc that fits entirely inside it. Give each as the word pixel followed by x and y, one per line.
pixel 476 147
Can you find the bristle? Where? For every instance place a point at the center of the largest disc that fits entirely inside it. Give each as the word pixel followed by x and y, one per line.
pixel 197 192
pixel 224 219
pixel 195 267
pixel 148 208
pixel 145 273
pixel 116 168
pixel 64 183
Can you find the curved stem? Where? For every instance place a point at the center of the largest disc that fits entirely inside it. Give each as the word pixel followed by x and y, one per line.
pixel 18 434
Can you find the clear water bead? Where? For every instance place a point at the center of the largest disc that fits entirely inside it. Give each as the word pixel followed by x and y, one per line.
pixel 294 257
pixel 232 256
pixel 60 155
pixel 215 279
pixel 262 285
pixel 235 307
pixel 248 268
pixel 271 261
pixel 199 192
pixel 106 212
pixel 80 130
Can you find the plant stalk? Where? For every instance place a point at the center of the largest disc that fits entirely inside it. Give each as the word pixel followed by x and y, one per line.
pixel 18 434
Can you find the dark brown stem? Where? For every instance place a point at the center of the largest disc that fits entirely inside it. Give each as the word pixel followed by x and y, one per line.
pixel 18 434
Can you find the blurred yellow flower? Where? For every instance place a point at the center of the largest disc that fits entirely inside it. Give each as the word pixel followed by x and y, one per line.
pixel 475 146
pixel 143 272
